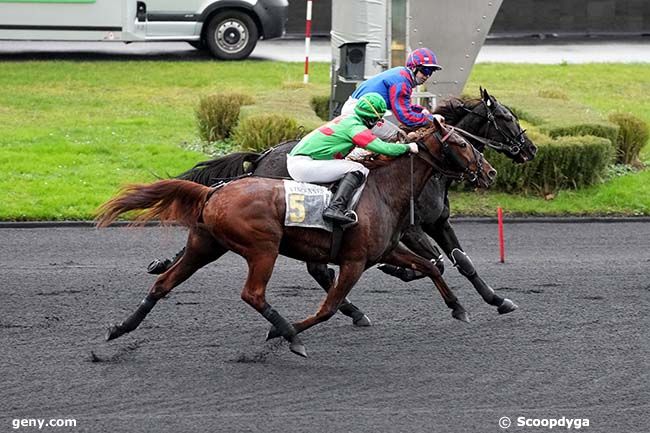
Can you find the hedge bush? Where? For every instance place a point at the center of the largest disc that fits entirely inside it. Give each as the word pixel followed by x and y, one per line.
pixel 321 106
pixel 217 115
pixel 604 130
pixel 564 162
pixel 257 133
pixel 632 136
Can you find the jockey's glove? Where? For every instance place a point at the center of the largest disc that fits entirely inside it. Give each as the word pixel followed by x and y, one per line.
pixel 440 118
pixel 413 147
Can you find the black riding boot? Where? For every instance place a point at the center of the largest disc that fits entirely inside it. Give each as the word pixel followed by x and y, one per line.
pixel 337 210
pixel 159 266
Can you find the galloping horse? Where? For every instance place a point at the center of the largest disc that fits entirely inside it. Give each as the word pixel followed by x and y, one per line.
pixel 247 217
pixel 485 122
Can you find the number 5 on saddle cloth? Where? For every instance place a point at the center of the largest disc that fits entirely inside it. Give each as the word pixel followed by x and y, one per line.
pixel 305 203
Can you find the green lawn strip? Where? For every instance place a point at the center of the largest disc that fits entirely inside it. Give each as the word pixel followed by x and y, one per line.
pixel 622 196
pixel 72 132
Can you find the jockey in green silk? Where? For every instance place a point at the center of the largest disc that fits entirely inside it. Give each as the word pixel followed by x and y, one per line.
pixel 320 156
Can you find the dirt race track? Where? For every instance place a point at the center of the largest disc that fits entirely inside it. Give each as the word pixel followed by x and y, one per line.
pixel 577 348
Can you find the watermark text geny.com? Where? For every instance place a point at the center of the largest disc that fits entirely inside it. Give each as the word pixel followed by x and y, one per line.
pixel 549 423
pixel 40 423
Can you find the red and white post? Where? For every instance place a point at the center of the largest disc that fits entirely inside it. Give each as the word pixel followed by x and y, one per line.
pixel 307 41
pixel 502 246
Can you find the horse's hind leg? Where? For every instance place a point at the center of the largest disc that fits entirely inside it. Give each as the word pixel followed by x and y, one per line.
pixel 402 256
pixel 201 249
pixel 260 268
pixel 324 276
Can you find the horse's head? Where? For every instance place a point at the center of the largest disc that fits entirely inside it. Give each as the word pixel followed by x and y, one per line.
pixel 502 129
pixel 488 122
pixel 452 155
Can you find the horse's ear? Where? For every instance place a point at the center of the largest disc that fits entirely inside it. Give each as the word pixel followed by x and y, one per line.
pixel 486 97
pixel 437 124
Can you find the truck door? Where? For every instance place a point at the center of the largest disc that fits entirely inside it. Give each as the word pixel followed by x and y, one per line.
pixel 84 20
pixel 172 19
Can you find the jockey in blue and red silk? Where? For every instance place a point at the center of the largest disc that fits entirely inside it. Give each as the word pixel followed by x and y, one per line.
pixel 396 86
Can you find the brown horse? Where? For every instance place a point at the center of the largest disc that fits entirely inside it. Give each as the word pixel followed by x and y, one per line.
pixel 247 217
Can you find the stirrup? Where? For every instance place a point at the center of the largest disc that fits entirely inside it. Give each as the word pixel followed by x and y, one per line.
pixel 341 218
pixel 352 214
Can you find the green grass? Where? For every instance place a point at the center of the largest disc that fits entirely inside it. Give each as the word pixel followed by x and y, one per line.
pixel 72 132
pixel 604 87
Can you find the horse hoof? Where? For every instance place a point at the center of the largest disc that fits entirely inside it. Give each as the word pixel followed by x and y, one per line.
pixel 362 321
pixel 113 332
pixel 273 333
pixel 461 315
pixel 507 306
pixel 297 347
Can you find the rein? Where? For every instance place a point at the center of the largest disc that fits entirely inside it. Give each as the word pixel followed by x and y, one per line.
pixel 427 157
pixel 496 145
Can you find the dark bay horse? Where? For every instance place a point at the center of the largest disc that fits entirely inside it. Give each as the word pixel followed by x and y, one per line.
pixel 489 122
pixel 246 216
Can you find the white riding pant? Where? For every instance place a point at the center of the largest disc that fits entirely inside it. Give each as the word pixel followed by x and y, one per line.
pixel 304 169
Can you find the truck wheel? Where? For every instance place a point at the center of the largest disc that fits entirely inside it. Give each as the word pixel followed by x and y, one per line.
pixel 231 35
pixel 199 45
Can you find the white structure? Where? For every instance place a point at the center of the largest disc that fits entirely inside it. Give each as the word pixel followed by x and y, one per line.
pixel 454 30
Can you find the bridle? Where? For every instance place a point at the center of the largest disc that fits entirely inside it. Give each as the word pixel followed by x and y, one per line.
pixel 512 144
pixel 464 172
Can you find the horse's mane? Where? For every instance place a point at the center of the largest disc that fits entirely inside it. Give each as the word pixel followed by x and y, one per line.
pixel 229 166
pixel 452 108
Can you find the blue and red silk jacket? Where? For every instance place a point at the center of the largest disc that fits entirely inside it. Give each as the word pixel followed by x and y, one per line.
pixel 395 86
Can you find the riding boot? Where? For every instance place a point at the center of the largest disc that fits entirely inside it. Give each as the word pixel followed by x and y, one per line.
pixel 337 211
pixel 159 266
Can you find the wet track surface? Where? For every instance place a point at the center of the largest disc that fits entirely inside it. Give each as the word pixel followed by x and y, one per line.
pixel 577 347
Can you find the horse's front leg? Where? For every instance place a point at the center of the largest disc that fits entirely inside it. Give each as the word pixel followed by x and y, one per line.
pixel 417 241
pixel 402 256
pixel 444 235
pixel 349 274
pixel 324 276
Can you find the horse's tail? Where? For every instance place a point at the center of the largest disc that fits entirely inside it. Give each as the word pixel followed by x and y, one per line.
pixel 166 200
pixel 227 167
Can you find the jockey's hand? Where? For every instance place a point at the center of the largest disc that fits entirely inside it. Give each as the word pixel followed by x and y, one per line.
pixel 425 112
pixel 413 147
pixel 401 136
pixel 440 118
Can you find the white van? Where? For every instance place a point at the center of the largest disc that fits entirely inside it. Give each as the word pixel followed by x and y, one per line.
pixel 228 28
